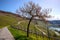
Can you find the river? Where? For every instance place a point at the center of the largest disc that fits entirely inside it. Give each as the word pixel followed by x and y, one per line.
pixel 54 28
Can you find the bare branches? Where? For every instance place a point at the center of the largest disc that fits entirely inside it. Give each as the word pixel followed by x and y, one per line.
pixel 35 10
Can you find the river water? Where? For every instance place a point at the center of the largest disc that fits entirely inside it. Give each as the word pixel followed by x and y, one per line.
pixel 54 28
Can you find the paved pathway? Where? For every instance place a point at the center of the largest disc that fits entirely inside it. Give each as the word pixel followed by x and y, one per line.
pixel 5 34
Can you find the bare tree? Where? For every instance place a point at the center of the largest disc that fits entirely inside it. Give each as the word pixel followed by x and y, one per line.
pixel 32 10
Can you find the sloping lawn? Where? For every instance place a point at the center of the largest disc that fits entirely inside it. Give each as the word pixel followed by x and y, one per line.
pixel 21 35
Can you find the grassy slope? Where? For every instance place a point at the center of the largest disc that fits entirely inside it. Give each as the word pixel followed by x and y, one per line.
pixel 21 35
pixel 10 19
pixel 42 26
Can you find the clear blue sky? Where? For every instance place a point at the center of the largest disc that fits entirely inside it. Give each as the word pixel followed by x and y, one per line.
pixel 12 5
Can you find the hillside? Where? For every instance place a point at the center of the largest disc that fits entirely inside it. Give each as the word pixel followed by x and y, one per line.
pixel 7 18
pixel 10 19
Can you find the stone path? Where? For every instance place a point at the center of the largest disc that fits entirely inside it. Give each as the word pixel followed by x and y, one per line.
pixel 5 34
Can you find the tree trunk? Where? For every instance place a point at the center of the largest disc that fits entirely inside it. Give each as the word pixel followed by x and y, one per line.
pixel 48 33
pixel 47 30
pixel 28 27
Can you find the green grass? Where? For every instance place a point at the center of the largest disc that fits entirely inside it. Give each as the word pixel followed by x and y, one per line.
pixel 9 19
pixel 21 35
pixel 16 33
pixel 42 26
pixel 13 20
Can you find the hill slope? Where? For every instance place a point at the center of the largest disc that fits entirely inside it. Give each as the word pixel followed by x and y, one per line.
pixel 7 18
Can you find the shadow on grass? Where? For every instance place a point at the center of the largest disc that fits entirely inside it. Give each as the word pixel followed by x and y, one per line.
pixel 23 38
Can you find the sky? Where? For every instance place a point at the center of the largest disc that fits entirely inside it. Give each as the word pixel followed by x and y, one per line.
pixel 13 5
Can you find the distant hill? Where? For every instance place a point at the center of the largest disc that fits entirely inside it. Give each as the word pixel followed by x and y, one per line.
pixel 56 22
pixel 8 13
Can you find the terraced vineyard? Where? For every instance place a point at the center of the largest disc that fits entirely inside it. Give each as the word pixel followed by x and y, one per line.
pixel 37 32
